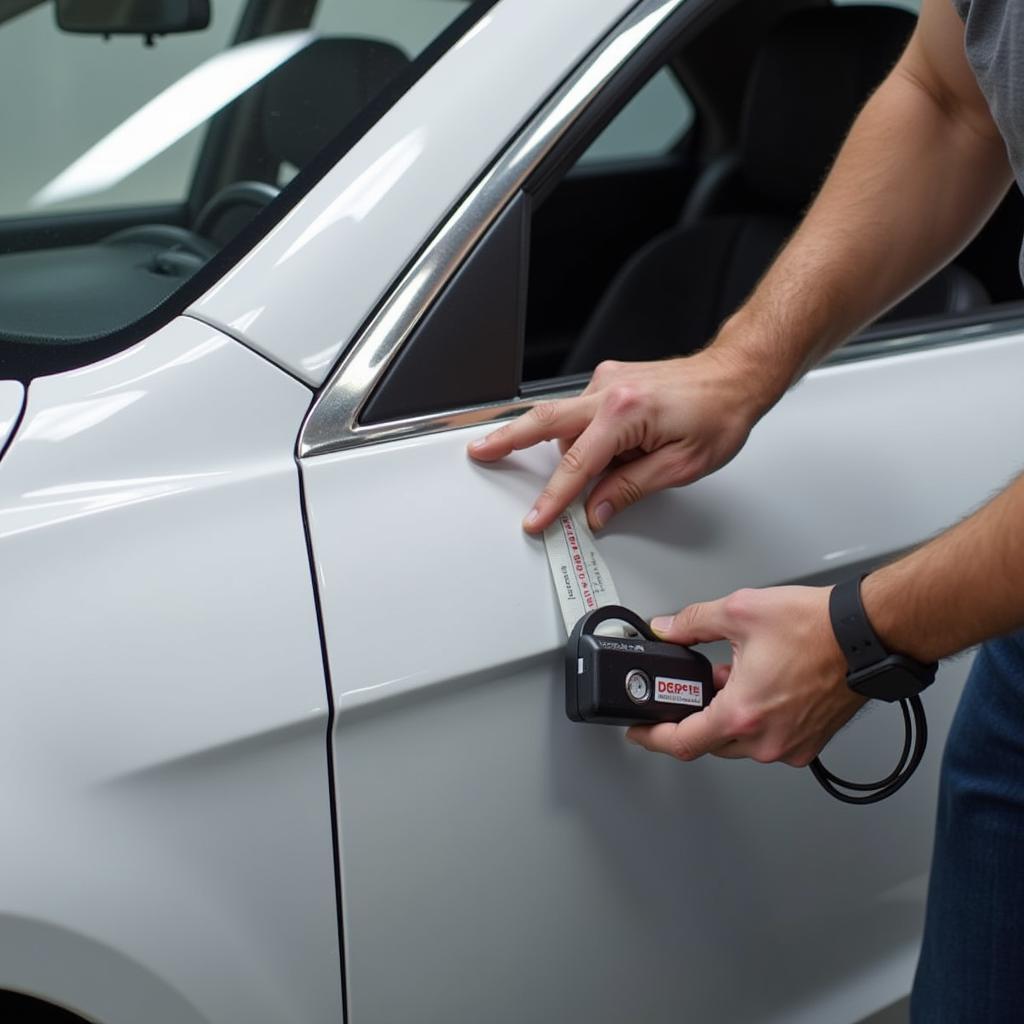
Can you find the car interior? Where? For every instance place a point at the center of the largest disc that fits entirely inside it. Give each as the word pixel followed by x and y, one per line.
pixel 636 257
pixel 645 259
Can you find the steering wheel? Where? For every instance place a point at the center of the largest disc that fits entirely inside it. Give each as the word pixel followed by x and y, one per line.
pixel 254 194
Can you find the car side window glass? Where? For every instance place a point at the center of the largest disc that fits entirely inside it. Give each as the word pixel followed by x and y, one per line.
pixel 914 6
pixel 635 261
pixel 627 187
pixel 649 125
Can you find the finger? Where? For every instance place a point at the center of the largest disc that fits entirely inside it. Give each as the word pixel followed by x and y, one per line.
pixel 687 740
pixel 628 483
pixel 696 624
pixel 585 459
pixel 546 421
pixel 721 675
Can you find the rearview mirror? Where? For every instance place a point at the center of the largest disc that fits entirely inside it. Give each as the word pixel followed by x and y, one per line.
pixel 133 17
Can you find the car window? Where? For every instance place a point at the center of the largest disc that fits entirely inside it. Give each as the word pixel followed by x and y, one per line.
pixel 131 162
pixel 637 265
pixel 73 91
pixel 628 186
pixel 649 125
pixel 410 24
pixel 914 6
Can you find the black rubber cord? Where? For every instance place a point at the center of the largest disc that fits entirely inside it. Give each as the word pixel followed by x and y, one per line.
pixel 915 739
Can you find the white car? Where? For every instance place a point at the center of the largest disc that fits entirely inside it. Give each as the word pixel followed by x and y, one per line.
pixel 282 734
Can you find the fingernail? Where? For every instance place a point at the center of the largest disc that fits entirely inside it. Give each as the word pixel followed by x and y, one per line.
pixel 603 513
pixel 661 624
pixel 479 442
pixel 531 518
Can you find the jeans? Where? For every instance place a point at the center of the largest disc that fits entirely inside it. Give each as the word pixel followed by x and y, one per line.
pixel 972 956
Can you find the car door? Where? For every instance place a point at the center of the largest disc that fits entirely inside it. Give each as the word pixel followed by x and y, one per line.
pixel 501 863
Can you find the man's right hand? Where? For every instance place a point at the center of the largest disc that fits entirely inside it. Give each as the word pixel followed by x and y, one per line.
pixel 650 425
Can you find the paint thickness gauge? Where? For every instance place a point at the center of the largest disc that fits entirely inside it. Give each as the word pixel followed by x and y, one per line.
pixel 623 680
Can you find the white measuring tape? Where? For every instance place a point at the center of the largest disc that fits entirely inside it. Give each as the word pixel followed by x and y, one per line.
pixel 581 576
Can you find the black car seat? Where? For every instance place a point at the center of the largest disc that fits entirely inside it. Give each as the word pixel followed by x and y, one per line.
pixel 812 74
pixel 309 99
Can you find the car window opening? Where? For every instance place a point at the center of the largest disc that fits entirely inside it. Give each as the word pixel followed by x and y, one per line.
pixel 643 255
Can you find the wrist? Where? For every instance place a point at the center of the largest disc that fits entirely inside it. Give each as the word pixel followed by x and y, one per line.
pixel 743 351
pixel 890 610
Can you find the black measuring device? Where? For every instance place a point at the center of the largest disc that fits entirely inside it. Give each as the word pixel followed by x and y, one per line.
pixel 641 680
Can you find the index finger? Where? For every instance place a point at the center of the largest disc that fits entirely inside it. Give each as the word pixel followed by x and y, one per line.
pixel 546 421
pixel 586 458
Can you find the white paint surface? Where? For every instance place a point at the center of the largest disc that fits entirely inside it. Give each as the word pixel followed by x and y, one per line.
pixel 167 851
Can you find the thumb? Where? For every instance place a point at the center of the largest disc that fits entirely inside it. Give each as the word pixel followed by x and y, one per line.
pixel 693 737
pixel 696 624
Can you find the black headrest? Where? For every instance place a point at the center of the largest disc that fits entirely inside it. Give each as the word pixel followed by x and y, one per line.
pixel 811 76
pixel 313 95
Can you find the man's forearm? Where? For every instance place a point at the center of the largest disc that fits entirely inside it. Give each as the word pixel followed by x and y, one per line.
pixel 917 177
pixel 957 590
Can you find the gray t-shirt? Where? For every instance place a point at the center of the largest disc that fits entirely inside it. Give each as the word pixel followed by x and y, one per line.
pixel 994 44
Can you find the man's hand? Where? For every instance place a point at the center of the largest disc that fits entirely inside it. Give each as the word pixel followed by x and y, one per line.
pixel 655 425
pixel 785 694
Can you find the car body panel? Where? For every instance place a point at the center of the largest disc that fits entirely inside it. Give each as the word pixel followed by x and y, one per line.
pixel 500 861
pixel 164 703
pixel 324 267
pixel 12 397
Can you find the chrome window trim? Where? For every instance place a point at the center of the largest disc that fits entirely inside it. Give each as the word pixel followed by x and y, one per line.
pixel 993 326
pixel 332 423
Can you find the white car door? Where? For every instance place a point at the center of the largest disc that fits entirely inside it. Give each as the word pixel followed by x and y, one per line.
pixel 501 863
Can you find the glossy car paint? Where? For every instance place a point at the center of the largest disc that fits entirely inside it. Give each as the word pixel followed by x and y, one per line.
pixel 12 396
pixel 165 703
pixel 328 262
pixel 167 853
pixel 502 863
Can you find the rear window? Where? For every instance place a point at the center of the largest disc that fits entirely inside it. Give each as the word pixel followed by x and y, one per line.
pixel 139 166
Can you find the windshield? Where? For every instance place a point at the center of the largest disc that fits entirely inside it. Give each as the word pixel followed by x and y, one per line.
pixel 126 149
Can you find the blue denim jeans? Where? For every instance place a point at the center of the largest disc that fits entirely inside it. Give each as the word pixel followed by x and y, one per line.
pixel 972 957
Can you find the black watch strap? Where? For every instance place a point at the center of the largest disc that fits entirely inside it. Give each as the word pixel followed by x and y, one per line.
pixel 851 626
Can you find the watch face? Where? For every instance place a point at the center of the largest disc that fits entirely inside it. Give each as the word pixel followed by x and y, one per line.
pixel 890 679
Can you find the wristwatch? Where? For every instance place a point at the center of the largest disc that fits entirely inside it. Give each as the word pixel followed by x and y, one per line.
pixel 872 671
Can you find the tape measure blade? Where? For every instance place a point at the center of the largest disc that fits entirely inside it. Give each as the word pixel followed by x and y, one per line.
pixel 580 575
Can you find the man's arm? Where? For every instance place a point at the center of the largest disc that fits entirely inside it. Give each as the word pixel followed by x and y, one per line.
pixel 922 169
pixel 959 589
pixel 919 174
